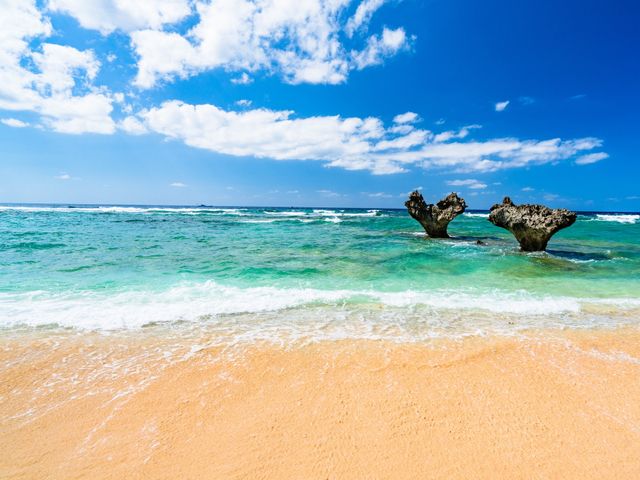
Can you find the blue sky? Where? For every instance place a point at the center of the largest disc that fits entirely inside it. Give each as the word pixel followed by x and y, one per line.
pixel 320 102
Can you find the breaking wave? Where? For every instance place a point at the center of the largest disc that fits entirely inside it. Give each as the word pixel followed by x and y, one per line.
pixel 620 218
pixel 197 301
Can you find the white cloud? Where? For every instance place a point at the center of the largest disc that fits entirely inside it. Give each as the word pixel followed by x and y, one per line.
pixel 243 79
pixel 63 176
pixel 470 183
pixel 53 80
pixel 452 134
pixel 409 117
pixel 528 189
pixel 591 158
pixel 244 103
pixel 501 106
pixel 109 15
pixel 132 126
pixel 350 143
pixel 362 16
pixel 380 47
pixel 378 195
pixel 178 185
pixel 329 193
pixel 14 122
pixel 300 40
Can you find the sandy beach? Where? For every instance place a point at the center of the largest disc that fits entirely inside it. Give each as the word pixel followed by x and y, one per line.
pixel 319 240
pixel 545 404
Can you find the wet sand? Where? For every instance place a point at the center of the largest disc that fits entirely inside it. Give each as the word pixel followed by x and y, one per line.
pixel 543 405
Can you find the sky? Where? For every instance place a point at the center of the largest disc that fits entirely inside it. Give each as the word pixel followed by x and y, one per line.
pixel 336 103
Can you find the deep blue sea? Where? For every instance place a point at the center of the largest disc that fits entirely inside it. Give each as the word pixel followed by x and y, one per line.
pixel 307 272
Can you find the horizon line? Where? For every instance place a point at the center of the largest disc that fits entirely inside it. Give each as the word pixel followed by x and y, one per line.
pixel 147 205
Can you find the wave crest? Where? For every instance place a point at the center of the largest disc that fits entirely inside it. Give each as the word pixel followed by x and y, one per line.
pixel 190 302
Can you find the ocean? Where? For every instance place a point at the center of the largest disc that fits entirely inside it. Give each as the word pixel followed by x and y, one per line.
pixel 182 342
pixel 282 274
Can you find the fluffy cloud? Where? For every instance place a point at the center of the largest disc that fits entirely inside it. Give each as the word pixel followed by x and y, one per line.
pixel 54 81
pixel 302 40
pixel 178 185
pixel 363 15
pixel 469 183
pixel 501 106
pixel 409 117
pixel 351 143
pixel 132 126
pixel 109 15
pixel 380 47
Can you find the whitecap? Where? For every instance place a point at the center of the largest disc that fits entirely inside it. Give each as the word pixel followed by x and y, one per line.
pixel 620 218
pixel 287 213
pixel 122 209
pixel 194 301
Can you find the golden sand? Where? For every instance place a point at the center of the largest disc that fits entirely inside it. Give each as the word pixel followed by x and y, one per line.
pixel 548 405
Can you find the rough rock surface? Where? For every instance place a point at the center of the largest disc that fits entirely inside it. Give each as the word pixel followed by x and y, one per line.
pixel 435 218
pixel 532 225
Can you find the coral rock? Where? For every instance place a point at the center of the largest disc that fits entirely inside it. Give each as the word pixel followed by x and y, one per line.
pixel 532 225
pixel 435 218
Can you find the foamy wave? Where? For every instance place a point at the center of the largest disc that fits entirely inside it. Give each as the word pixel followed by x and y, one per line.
pixel 317 214
pixel 285 213
pixel 118 209
pixel 334 216
pixel 191 302
pixel 259 221
pixel 369 213
pixel 620 218
pixel 476 215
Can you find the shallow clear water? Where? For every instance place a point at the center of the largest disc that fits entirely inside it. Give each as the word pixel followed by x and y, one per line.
pixel 125 267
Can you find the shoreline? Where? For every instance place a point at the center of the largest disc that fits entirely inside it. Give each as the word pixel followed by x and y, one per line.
pixel 553 404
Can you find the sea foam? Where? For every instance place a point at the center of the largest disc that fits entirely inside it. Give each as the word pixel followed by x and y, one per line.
pixel 123 209
pixel 620 218
pixel 197 301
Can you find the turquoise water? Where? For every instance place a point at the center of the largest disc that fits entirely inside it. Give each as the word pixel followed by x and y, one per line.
pixel 125 267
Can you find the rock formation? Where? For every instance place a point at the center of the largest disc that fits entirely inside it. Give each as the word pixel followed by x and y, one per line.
pixel 532 225
pixel 435 218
